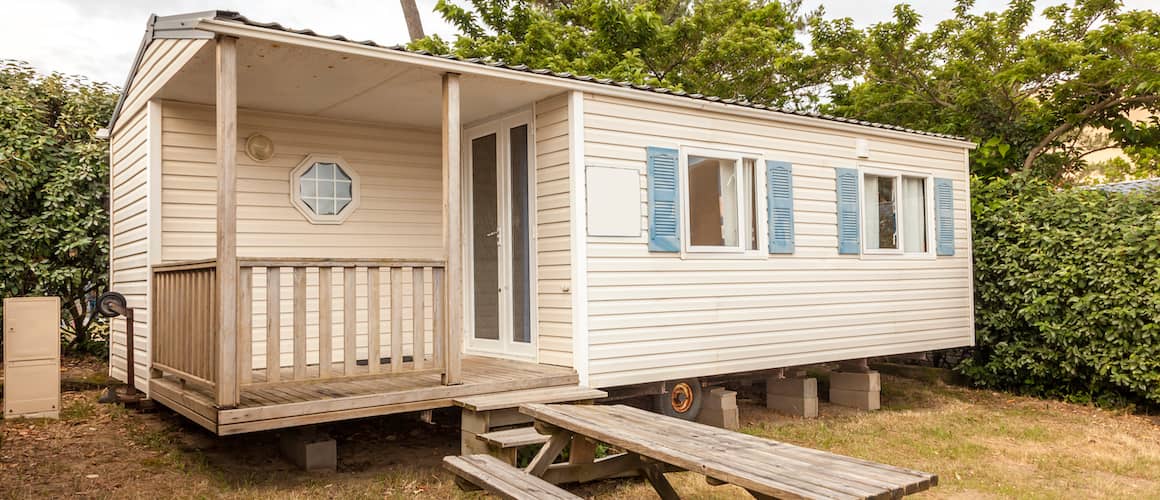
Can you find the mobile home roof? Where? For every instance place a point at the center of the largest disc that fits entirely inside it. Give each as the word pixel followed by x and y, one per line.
pixel 208 23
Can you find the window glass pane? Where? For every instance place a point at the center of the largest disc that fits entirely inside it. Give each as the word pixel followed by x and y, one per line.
pixel 521 242
pixel 713 202
pixel 342 190
pixel 749 185
pixel 880 212
pixel 913 214
pixel 325 207
pixel 485 230
pixel 325 170
pixel 308 187
pixel 340 175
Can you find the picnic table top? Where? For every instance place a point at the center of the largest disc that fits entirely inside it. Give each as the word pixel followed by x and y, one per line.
pixel 760 465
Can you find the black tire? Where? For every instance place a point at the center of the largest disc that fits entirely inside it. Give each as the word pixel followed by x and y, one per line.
pixel 681 399
pixel 107 301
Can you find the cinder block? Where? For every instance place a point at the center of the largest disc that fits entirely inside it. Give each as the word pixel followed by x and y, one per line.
pixel 853 381
pixel 862 400
pixel 800 387
pixel 310 451
pixel 725 418
pixel 720 398
pixel 797 406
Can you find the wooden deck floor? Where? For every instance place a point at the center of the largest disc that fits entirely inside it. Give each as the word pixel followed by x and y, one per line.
pixel 287 404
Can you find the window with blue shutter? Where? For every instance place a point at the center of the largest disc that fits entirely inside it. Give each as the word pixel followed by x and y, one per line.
pixel 944 213
pixel 664 228
pixel 849 231
pixel 779 198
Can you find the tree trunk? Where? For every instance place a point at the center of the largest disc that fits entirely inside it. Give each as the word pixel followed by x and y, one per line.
pixel 414 23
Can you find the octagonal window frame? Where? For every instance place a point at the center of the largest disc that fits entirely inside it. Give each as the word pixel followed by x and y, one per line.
pixel 296 188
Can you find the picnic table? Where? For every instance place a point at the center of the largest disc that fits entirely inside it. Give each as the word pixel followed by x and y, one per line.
pixel 653 444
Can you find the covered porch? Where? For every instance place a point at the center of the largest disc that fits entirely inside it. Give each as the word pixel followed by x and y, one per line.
pixel 287 327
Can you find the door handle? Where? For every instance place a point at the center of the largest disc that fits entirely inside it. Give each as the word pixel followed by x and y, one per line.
pixel 493 233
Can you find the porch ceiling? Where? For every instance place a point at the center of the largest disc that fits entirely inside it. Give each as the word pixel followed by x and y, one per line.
pixel 315 82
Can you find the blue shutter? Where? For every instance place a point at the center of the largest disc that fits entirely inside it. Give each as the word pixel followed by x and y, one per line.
pixel 664 200
pixel 779 203
pixel 849 218
pixel 944 215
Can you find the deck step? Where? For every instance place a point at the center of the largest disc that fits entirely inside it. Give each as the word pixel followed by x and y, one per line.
pixel 514 438
pixel 513 399
pixel 503 480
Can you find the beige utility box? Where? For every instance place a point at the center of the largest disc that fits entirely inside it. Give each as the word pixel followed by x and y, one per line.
pixel 32 357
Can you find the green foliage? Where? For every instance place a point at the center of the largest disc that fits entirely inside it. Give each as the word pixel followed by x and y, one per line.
pixel 1067 291
pixel 1028 97
pixel 743 49
pixel 54 177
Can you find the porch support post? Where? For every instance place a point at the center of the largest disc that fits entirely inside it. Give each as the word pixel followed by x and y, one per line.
pixel 452 230
pixel 227 211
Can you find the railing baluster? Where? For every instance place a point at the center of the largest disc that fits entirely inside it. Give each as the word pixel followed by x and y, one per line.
pixel 437 311
pixel 273 323
pixel 373 355
pixel 349 320
pixel 396 319
pixel 418 325
pixel 299 323
pixel 246 325
pixel 324 322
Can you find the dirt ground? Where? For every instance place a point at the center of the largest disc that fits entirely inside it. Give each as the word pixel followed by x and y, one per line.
pixel 982 444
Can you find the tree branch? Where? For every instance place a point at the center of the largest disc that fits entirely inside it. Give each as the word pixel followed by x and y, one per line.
pixel 1066 127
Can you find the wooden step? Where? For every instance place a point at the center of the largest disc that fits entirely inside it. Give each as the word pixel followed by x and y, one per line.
pixel 513 399
pixel 503 480
pixel 514 438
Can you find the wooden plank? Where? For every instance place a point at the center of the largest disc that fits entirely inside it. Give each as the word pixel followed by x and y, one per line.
pixel 615 466
pixel 325 322
pixel 331 416
pixel 655 473
pixel 513 399
pixel 514 438
pixel 172 399
pixel 373 354
pixel 245 325
pixel 503 480
pixel 185 265
pixel 396 320
pixel 452 230
pixel 310 262
pixel 349 320
pixel 227 222
pixel 418 323
pixel 273 323
pixel 549 452
pixel 299 323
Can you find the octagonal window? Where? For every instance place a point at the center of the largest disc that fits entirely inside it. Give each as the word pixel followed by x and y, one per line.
pixel 325 189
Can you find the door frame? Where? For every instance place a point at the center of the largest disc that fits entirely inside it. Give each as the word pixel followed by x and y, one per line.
pixel 505 346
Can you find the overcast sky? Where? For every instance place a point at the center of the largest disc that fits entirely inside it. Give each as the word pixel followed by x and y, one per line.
pixel 98 38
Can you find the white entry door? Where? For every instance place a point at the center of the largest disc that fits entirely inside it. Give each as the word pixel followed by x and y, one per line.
pixel 500 290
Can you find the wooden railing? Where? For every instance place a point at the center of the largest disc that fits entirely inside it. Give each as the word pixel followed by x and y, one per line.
pixel 184 320
pixel 384 316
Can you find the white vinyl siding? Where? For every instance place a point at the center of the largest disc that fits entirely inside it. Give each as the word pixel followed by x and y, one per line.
pixel 131 231
pixel 658 316
pixel 553 199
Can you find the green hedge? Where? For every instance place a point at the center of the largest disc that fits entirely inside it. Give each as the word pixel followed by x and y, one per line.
pixel 1067 292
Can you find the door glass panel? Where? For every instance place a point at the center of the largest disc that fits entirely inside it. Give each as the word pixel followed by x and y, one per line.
pixel 485 261
pixel 521 242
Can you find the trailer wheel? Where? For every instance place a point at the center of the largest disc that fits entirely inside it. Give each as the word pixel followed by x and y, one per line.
pixel 681 399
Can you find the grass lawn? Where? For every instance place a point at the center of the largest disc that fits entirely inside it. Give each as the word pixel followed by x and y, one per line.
pixel 981 443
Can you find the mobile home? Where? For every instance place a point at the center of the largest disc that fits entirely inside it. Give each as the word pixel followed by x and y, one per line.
pixel 311 229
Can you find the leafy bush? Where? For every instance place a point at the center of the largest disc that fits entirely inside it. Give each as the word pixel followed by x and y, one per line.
pixel 54 178
pixel 1067 292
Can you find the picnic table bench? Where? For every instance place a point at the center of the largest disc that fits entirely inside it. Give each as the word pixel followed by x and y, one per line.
pixel 653 443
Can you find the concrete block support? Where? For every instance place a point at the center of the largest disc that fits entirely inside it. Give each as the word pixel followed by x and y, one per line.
pixel 719 409
pixel 856 390
pixel 792 396
pixel 310 450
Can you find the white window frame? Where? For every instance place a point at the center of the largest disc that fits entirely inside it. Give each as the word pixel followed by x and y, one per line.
pixel 760 201
pixel 296 188
pixel 928 200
